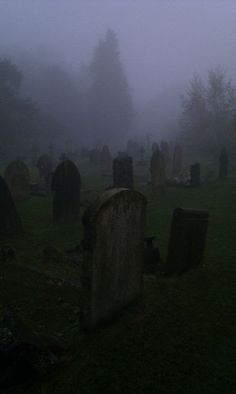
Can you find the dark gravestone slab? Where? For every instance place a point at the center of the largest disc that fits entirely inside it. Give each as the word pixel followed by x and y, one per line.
pixel 187 240
pixel 151 257
pixel 177 160
pixel 158 171
pixel 17 177
pixel 195 175
pixel 10 222
pixel 66 185
pixel 223 165
pixel 112 265
pixel 123 172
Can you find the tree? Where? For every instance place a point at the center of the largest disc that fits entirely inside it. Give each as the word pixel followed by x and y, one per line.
pixel 20 120
pixel 209 111
pixel 109 101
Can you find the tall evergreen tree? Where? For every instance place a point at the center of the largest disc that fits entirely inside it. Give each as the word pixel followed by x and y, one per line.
pixel 109 101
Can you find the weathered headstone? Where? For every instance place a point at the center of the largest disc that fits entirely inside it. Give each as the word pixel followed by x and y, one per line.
pixel 223 165
pixel 195 175
pixel 157 170
pixel 123 172
pixel 106 160
pixel 187 240
pixel 10 222
pixel 112 266
pixel 66 185
pixel 17 177
pixel 45 167
pixel 177 160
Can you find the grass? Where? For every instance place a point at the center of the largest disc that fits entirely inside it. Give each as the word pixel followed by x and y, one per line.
pixel 181 337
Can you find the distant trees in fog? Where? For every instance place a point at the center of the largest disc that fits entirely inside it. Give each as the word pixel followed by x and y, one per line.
pixel 209 109
pixel 109 102
pixel 20 120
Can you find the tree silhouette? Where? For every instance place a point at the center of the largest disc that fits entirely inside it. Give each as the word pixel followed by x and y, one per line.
pixel 109 101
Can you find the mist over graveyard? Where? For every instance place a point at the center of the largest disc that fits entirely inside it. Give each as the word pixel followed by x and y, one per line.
pixel 117 196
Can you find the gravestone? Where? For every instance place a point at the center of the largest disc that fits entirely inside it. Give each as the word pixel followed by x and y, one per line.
pixel 177 160
pixel 223 165
pixel 66 185
pixel 17 177
pixel 45 167
pixel 164 147
pixel 195 175
pixel 106 160
pixel 155 147
pixel 187 240
pixel 157 170
pixel 10 222
pixel 123 172
pixel 112 266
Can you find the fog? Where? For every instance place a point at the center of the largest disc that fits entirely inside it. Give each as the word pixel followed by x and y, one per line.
pixel 161 43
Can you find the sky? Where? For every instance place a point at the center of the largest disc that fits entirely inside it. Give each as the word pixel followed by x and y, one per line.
pixel 162 42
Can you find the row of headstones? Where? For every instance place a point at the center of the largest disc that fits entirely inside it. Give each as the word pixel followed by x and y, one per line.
pixel 65 182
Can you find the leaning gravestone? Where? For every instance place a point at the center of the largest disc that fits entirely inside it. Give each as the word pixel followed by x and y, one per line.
pixel 157 169
pixel 112 266
pixel 17 177
pixel 66 185
pixel 123 172
pixel 187 240
pixel 195 175
pixel 223 165
pixel 10 222
pixel 177 160
pixel 45 165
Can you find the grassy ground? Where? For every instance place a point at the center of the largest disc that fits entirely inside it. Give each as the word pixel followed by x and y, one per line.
pixel 181 337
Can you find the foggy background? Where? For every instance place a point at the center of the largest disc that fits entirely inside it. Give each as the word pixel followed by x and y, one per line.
pixel 161 45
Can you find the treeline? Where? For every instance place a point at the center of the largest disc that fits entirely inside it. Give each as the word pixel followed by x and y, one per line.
pixel 92 106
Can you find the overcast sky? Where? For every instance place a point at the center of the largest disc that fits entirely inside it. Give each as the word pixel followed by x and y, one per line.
pixel 162 43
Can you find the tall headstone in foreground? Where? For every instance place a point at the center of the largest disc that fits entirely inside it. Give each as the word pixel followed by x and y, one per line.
pixel 123 172
pixel 223 165
pixel 157 169
pixel 45 166
pixel 17 177
pixel 187 240
pixel 177 160
pixel 66 185
pixel 111 271
pixel 195 175
pixel 10 222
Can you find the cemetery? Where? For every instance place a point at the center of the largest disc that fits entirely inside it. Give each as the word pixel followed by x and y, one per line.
pixel 117 197
pixel 87 272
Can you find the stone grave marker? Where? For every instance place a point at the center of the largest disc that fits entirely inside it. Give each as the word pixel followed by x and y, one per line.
pixel 195 175
pixel 164 147
pixel 106 160
pixel 123 172
pixel 10 222
pixel 157 170
pixel 112 266
pixel 177 160
pixel 223 165
pixel 17 177
pixel 187 240
pixel 66 185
